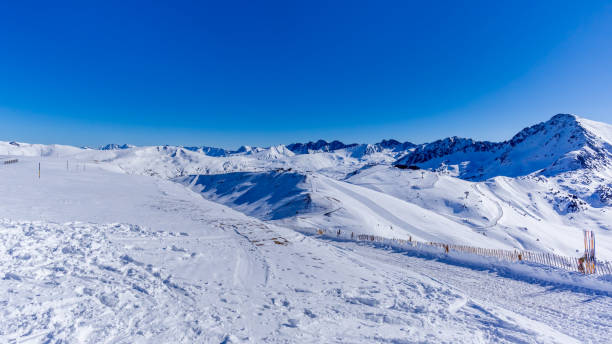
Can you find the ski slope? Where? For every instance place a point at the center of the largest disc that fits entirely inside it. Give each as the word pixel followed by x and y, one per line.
pixel 93 255
pixel 312 201
pixel 521 212
pixel 509 213
pixel 90 254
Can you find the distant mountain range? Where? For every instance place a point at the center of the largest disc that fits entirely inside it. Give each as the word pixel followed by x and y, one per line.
pixel 113 146
pixel 564 143
pixel 297 148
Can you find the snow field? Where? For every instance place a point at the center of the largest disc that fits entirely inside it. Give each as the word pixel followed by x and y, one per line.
pixel 70 283
pixel 178 268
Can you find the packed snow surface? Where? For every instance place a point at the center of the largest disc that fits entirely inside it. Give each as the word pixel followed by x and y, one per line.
pixel 196 244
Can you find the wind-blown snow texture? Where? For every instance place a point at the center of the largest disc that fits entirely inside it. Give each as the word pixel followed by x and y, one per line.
pixel 198 244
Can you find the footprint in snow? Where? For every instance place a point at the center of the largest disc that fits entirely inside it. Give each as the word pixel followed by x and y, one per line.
pixel 178 249
pixel 11 276
pixel 292 323
pixel 309 313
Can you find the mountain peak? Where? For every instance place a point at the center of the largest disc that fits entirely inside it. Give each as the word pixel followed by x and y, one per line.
pixel 115 146
pixel 564 116
pixel 318 146
pixel 395 145
pixel 564 143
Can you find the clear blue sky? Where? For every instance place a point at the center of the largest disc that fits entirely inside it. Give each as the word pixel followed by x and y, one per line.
pixel 226 73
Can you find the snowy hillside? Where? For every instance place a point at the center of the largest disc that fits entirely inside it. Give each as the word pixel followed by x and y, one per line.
pixel 527 212
pixel 314 201
pixel 89 255
pixel 521 213
pixel 562 144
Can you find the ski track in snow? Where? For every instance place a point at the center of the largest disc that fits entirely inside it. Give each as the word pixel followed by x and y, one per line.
pixel 500 210
pixel 376 208
pixel 579 314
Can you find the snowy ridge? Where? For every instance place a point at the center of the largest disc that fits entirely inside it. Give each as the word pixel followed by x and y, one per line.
pixel 358 149
pixel 113 146
pixel 564 143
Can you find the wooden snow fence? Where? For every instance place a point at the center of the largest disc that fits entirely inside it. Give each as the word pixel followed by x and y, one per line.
pixel 543 258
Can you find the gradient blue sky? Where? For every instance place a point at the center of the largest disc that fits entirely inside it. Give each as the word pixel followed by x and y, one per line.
pixel 227 73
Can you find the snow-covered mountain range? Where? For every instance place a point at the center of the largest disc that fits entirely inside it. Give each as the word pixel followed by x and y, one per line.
pixel 537 190
pixel 203 244
pixel 562 144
